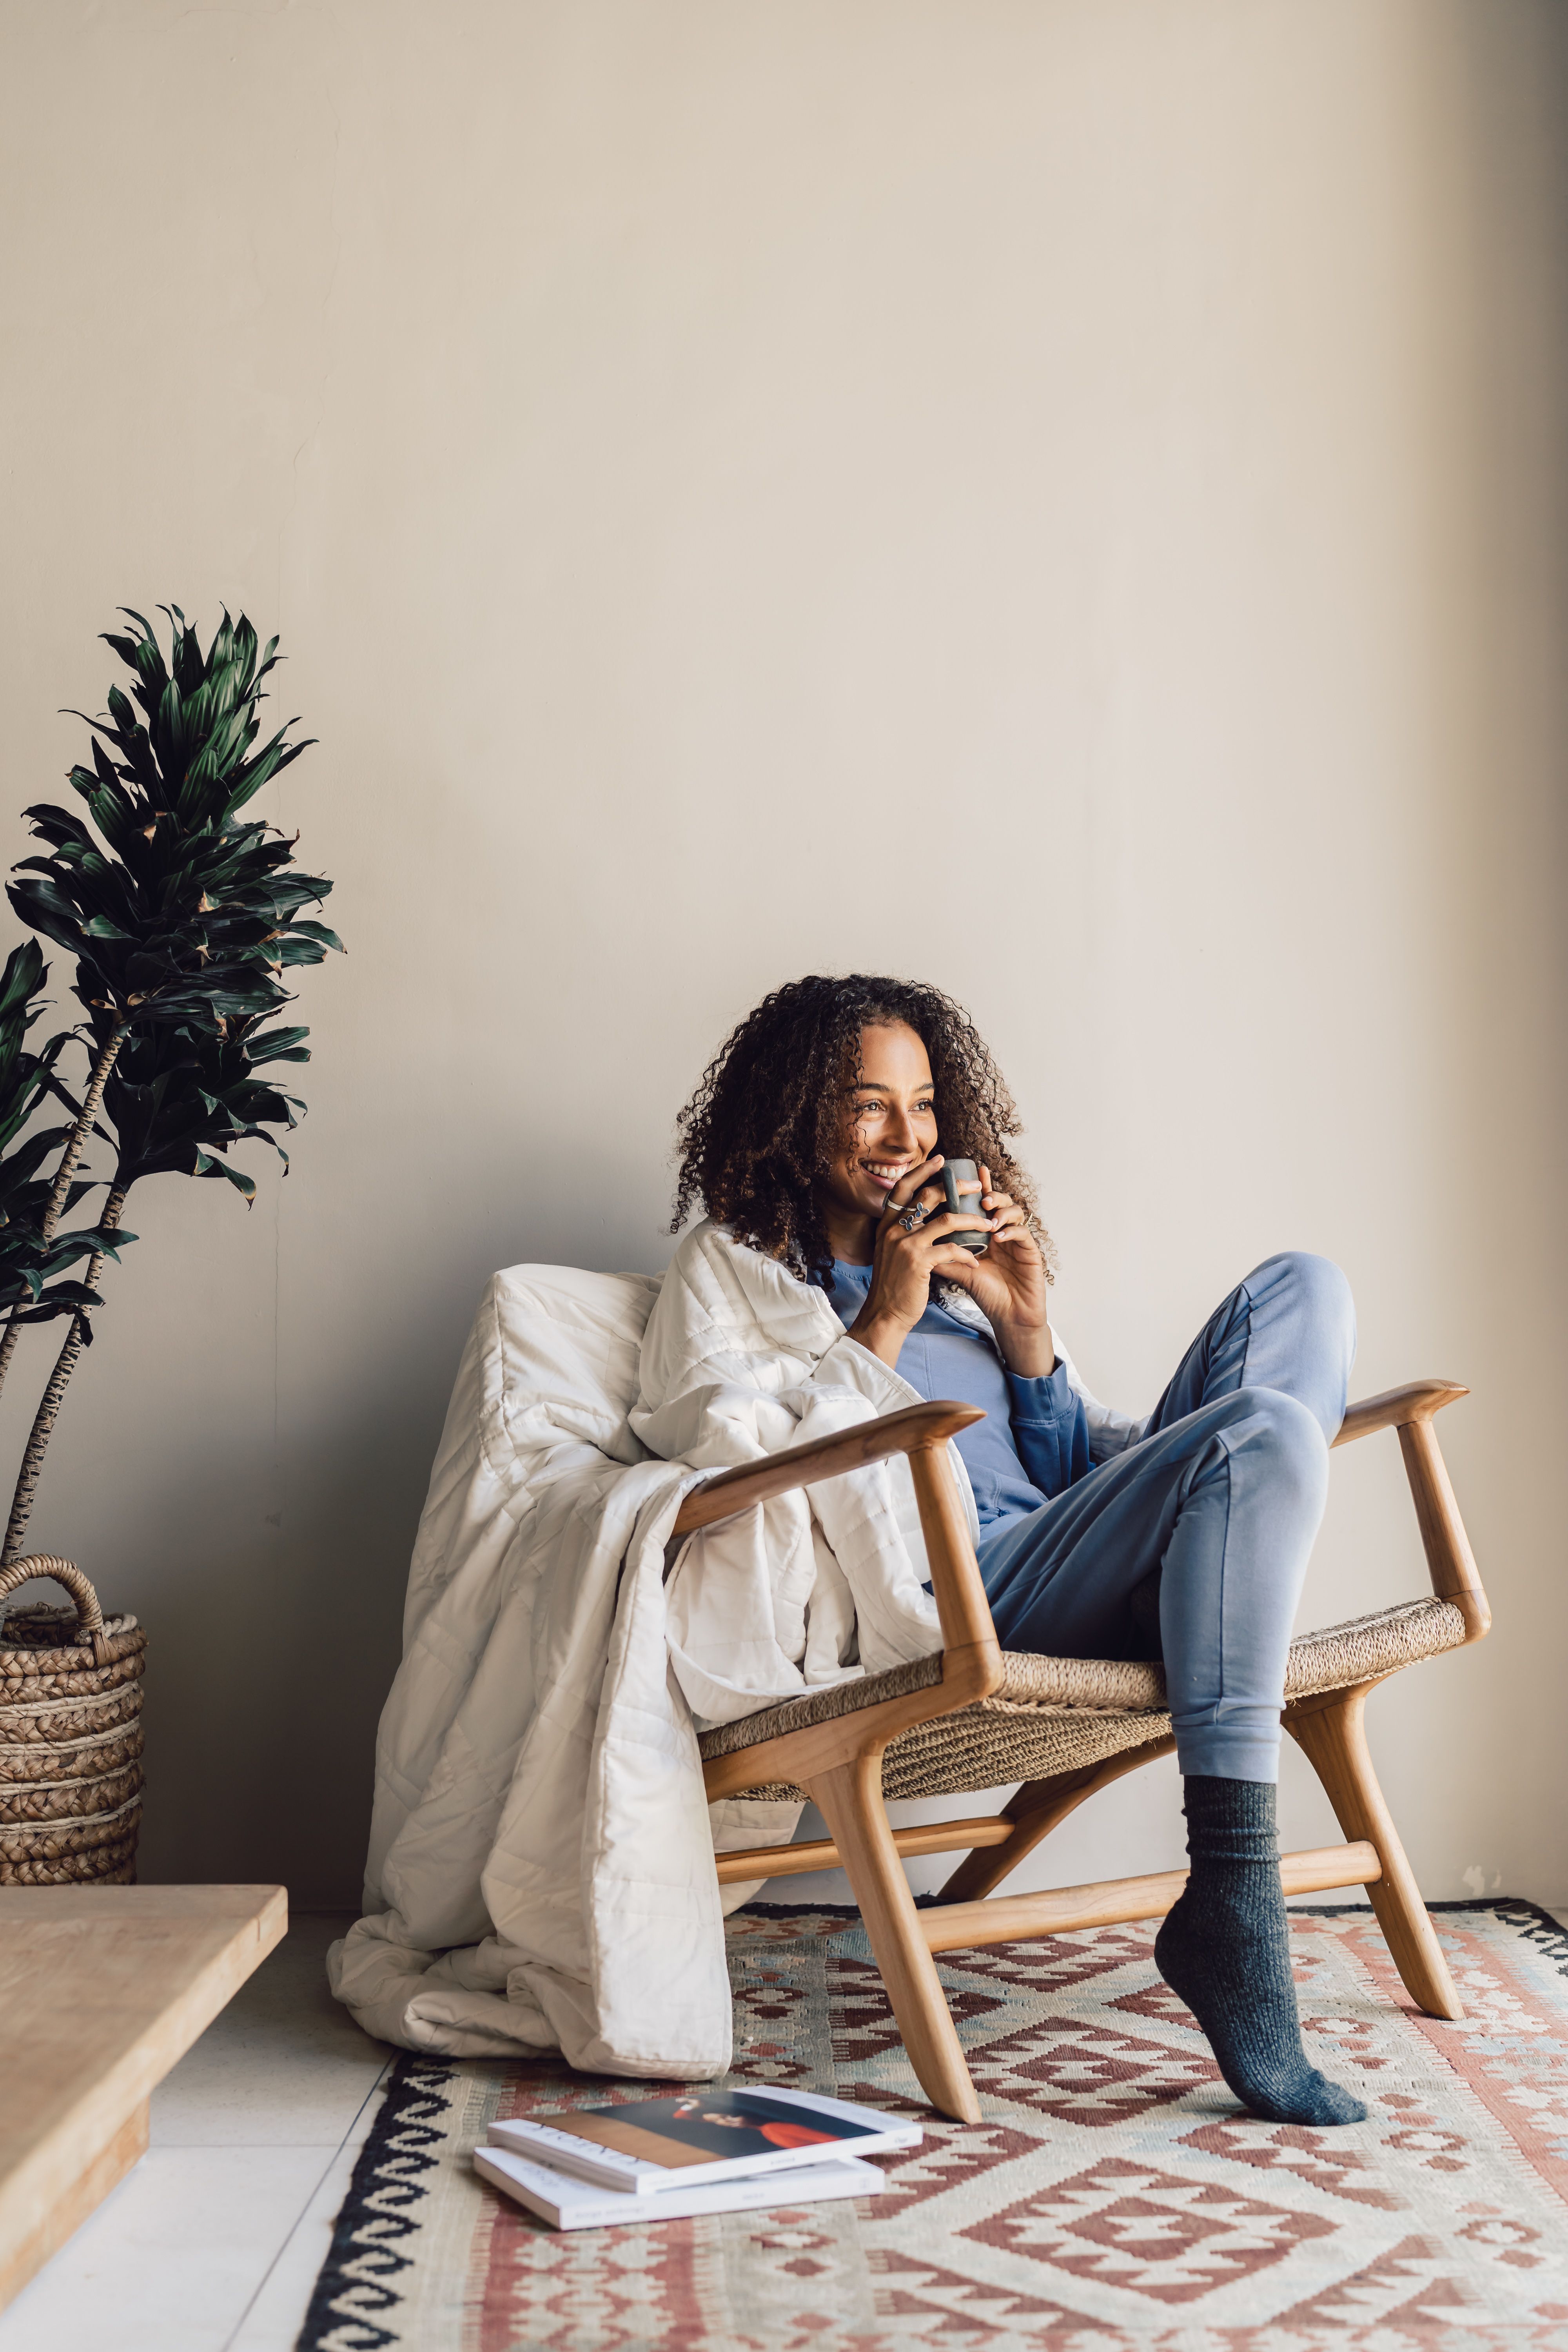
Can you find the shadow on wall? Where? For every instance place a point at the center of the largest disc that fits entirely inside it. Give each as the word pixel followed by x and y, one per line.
pixel 274 1632
pixel 261 1716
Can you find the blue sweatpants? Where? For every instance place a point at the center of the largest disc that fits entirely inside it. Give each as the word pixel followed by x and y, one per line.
pixel 1204 1527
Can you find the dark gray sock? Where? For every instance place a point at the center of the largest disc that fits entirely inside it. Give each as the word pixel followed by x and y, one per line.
pixel 1226 1951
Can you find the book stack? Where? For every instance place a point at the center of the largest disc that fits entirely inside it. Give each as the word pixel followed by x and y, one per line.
pixel 663 2159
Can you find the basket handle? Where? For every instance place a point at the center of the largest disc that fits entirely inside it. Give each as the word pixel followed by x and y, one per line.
pixel 89 1615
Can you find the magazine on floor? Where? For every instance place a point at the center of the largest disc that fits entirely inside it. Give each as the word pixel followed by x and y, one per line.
pixel 569 2204
pixel 651 2146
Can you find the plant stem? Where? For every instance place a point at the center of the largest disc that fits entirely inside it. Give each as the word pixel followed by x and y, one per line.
pixel 76 1143
pixel 49 1403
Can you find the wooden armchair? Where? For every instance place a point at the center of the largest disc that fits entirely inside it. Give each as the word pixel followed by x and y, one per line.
pixel 973 1716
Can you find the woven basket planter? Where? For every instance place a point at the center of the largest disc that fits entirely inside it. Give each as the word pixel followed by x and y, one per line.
pixel 70 1736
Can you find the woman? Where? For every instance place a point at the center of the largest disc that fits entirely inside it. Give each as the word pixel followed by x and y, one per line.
pixel 814 1139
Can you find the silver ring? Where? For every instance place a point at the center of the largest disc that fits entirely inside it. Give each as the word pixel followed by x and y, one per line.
pixel 913 1216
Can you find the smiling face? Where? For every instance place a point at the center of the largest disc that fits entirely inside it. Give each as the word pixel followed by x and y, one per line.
pixel 888 1127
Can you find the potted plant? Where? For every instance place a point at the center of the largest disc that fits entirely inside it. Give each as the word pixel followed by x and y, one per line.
pixel 180 915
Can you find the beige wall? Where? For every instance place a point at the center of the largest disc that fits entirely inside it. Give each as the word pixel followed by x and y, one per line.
pixel 1063 496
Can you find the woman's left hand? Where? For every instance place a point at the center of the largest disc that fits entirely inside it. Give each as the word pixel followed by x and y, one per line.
pixel 1008 1286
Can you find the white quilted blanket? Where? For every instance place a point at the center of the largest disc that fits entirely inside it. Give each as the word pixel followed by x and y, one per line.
pixel 541 1867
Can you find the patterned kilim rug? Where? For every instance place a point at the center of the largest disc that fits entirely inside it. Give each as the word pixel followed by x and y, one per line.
pixel 1115 2199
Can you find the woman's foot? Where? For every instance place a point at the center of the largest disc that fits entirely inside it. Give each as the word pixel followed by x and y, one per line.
pixel 1224 1950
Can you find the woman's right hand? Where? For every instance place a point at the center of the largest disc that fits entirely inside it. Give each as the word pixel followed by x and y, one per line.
pixel 905 1261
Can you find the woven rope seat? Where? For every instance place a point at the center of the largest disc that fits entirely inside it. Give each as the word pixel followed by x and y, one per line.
pixel 1057 1714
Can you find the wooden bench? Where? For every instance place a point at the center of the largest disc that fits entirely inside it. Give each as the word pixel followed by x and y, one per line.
pixel 103 1988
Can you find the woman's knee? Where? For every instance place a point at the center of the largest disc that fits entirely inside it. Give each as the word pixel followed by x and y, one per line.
pixel 1284 1437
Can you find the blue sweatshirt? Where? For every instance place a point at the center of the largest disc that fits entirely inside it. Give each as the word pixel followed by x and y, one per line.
pixel 1033 1442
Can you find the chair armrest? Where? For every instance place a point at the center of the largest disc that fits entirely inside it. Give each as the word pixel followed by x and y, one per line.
pixel 1396 1407
pixel 1449 1560
pixel 920 1431
pixel 825 1457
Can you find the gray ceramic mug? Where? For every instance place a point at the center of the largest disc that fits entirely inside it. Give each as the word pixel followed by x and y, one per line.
pixel 963 1171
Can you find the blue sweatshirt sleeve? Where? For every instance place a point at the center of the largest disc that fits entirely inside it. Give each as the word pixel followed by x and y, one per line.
pixel 1051 1431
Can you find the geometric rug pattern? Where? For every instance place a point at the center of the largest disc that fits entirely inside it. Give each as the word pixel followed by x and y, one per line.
pixel 1115 2199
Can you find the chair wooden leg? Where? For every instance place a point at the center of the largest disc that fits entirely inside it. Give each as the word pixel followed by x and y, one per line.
pixel 1332 1733
pixel 849 1799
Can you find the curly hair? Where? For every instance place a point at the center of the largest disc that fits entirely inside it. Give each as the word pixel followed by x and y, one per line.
pixel 763 1126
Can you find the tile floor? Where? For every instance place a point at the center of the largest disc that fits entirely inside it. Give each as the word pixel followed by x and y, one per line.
pixel 213 2243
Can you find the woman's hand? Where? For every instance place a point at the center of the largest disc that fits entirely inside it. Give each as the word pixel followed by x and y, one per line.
pixel 906 1257
pixel 1008 1286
